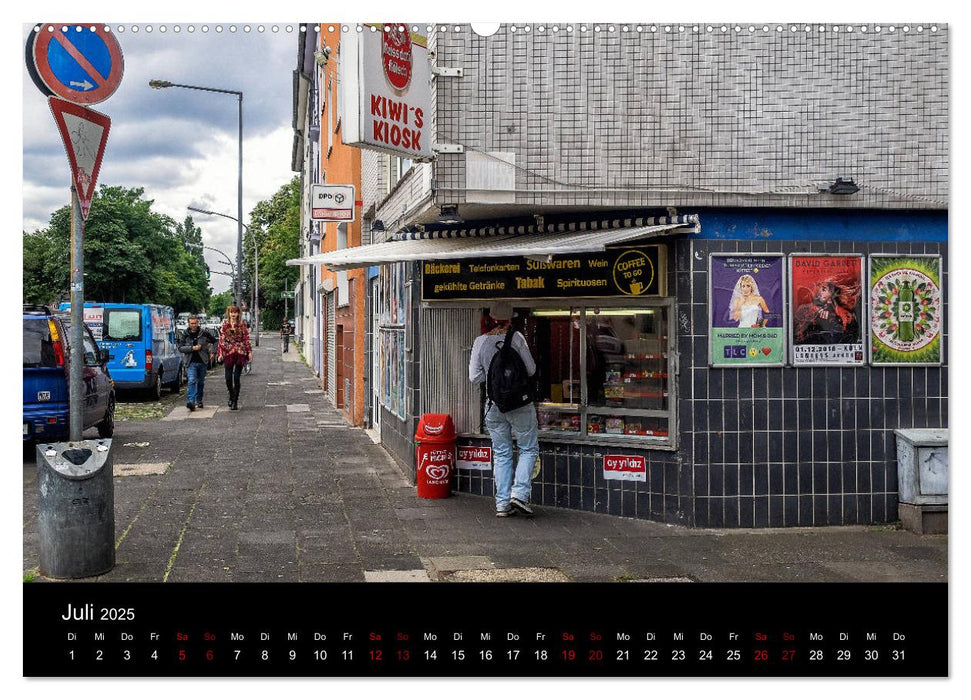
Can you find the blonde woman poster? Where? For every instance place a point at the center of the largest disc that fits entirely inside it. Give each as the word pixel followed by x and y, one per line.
pixel 746 304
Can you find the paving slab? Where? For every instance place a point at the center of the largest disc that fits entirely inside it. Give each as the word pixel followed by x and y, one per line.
pixel 412 576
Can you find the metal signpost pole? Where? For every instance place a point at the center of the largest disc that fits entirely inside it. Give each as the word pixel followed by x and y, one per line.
pixel 239 211
pixel 256 295
pixel 76 427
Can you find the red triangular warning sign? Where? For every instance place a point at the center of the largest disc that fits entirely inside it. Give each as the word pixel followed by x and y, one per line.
pixel 85 133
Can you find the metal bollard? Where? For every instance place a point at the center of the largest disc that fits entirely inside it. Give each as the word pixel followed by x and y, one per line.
pixel 76 515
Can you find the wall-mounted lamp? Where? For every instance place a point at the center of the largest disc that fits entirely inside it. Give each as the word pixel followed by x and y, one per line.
pixel 842 186
pixel 322 56
pixel 450 215
pixel 377 226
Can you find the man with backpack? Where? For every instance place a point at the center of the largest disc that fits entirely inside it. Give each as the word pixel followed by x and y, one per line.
pixel 502 360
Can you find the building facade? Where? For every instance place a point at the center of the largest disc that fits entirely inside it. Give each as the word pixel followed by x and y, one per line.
pixel 333 303
pixel 805 164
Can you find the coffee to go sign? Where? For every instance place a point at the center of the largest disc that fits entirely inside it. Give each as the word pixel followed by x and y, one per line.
pixel 386 90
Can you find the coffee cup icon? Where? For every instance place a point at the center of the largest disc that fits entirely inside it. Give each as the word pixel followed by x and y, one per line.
pixel 636 287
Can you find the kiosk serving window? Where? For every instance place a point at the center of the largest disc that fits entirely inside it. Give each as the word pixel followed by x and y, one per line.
pixel 603 372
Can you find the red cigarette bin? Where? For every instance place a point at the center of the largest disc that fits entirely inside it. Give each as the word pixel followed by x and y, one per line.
pixel 435 455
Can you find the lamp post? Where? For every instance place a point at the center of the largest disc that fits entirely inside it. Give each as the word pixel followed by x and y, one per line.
pixel 227 261
pixel 256 254
pixel 159 85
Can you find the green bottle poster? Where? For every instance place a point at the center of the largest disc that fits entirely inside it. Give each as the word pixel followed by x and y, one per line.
pixel 906 309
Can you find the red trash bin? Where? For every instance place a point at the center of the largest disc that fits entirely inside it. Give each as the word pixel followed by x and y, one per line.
pixel 435 455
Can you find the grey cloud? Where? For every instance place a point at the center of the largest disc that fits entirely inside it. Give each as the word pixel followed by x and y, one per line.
pixel 155 132
pixel 169 138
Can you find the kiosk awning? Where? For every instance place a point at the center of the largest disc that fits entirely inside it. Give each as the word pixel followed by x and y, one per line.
pixel 532 245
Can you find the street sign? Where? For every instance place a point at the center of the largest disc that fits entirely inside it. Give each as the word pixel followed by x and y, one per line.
pixel 85 133
pixel 79 63
pixel 332 202
pixel 288 295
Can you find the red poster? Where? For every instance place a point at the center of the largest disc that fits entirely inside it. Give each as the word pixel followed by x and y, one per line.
pixel 826 303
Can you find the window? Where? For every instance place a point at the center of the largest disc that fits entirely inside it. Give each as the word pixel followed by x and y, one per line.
pixel 397 168
pixel 90 350
pixel 392 319
pixel 392 360
pixel 124 324
pixel 391 288
pixel 603 373
pixel 38 344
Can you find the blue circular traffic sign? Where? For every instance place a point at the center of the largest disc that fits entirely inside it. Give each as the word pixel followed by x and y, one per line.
pixel 79 63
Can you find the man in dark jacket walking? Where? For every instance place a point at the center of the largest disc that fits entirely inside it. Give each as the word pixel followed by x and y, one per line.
pixel 285 330
pixel 195 348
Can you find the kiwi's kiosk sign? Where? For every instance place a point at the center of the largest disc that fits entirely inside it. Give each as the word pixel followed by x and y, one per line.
pixel 386 90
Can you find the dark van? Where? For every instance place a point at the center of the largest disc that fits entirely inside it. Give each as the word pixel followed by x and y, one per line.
pixel 141 344
pixel 47 359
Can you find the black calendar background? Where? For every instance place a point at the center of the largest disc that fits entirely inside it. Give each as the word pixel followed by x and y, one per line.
pixel 499 630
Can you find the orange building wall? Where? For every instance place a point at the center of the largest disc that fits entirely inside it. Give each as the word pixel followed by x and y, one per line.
pixel 342 166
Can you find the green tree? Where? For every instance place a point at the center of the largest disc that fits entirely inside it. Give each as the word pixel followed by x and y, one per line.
pixel 131 254
pixel 46 266
pixel 189 287
pixel 218 303
pixel 275 228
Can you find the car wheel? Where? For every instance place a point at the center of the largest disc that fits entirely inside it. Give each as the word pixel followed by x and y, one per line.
pixel 106 428
pixel 156 391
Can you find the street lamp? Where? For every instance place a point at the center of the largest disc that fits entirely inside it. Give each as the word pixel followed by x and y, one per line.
pixel 227 261
pixel 256 275
pixel 159 85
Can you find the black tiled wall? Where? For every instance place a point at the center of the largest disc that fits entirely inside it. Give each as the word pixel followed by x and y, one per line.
pixel 795 446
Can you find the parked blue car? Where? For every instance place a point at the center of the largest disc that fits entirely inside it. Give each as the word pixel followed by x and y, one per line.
pixel 47 360
pixel 141 344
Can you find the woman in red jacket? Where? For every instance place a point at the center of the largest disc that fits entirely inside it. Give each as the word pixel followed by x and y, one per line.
pixel 234 350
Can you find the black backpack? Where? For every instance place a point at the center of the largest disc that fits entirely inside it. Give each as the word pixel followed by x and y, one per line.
pixel 508 385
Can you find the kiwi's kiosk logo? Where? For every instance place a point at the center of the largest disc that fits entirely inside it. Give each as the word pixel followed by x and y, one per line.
pixel 396 56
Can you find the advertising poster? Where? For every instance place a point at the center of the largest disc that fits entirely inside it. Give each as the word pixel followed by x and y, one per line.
pixel 905 309
pixel 826 293
pixel 746 302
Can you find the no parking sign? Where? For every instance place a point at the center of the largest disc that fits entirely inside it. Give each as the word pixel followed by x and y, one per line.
pixel 79 63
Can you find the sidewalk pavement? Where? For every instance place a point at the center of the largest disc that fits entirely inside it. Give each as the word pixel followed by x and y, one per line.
pixel 284 490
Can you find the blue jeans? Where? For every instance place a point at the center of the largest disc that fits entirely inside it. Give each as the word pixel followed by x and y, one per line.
pixel 521 424
pixel 196 372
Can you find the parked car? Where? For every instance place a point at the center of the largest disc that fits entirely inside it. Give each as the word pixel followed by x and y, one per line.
pixel 141 344
pixel 182 321
pixel 47 362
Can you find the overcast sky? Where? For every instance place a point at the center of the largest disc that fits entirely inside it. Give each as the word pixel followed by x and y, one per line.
pixel 180 145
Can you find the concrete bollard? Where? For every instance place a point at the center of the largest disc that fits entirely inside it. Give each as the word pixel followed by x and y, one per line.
pixel 76 514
